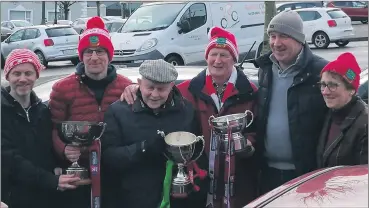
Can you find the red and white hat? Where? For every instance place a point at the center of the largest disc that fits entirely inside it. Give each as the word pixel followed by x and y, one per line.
pixel 21 56
pixel 95 35
pixel 220 38
pixel 346 66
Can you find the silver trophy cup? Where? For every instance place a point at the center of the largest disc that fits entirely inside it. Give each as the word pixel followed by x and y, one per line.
pixel 180 148
pixel 232 125
pixel 80 134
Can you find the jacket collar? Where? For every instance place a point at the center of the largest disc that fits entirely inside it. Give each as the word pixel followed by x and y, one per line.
pixel 355 111
pixel 9 101
pixel 174 103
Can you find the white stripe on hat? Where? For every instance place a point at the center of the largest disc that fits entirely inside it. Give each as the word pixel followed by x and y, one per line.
pixel 95 31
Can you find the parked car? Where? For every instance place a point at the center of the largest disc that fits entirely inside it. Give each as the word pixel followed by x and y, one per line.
pixel 298 5
pixel 79 25
pixel 60 22
pixel 356 10
pixel 114 25
pixel 340 186
pixel 15 24
pixel 111 18
pixel 323 26
pixel 5 32
pixel 363 88
pixel 49 42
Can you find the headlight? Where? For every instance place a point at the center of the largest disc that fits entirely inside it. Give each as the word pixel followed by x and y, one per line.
pixel 148 44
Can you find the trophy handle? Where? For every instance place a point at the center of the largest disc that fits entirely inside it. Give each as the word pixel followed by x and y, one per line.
pixel 198 138
pixel 103 129
pixel 252 117
pixel 161 133
pixel 210 119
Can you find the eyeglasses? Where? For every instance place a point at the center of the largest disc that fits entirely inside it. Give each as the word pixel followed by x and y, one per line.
pixel 332 86
pixel 99 52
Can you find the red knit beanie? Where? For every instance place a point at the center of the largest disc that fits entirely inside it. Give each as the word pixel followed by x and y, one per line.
pixel 21 56
pixel 95 35
pixel 346 66
pixel 220 38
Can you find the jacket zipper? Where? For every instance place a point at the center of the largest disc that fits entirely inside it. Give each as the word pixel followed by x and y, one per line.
pixel 27 114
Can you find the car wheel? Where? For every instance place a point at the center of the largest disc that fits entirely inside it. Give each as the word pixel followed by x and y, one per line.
pixel 175 60
pixel 75 61
pixel 342 43
pixel 321 40
pixel 364 21
pixel 2 61
pixel 41 57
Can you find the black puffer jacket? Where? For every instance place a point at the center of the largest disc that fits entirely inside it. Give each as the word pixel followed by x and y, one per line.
pixel 27 160
pixel 306 108
pixel 141 174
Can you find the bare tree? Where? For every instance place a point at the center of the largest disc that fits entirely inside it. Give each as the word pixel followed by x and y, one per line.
pixel 98 8
pixel 64 6
pixel 270 12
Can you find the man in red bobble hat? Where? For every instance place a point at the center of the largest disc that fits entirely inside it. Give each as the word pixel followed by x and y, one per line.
pixel 221 90
pixel 84 96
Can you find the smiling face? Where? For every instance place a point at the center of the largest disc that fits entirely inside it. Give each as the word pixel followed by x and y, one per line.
pixel 220 63
pixel 96 60
pixel 285 49
pixel 22 79
pixel 154 94
pixel 336 91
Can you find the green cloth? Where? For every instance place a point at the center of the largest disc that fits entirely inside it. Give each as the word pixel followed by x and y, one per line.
pixel 165 203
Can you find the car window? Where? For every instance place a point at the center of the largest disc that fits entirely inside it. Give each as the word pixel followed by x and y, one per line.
pixel 114 26
pixel 30 34
pixel 309 15
pixel 358 4
pixel 343 3
pixel 195 15
pixel 21 23
pixel 3 24
pixel 81 22
pixel 60 31
pixel 336 14
pixel 17 36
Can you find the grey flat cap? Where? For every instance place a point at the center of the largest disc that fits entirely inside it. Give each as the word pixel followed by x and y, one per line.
pixel 158 71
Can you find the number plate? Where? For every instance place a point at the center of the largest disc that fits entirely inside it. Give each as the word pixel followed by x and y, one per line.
pixel 70 52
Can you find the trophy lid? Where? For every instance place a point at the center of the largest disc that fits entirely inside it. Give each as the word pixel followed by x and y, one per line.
pixel 180 138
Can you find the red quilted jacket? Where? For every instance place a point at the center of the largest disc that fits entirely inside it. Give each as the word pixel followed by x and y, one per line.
pixel 72 100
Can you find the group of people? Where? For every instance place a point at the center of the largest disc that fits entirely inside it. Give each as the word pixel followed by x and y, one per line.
pixel 306 116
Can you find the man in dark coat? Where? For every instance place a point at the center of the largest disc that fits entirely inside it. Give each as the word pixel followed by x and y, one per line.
pixel 132 147
pixel 291 108
pixel 27 159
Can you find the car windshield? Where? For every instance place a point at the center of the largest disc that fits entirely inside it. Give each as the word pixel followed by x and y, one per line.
pixel 113 26
pixel 152 17
pixel 21 23
pixel 336 14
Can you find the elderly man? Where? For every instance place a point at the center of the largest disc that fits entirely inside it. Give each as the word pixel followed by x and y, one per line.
pixel 85 96
pixel 27 160
pixel 133 149
pixel 291 107
pixel 221 90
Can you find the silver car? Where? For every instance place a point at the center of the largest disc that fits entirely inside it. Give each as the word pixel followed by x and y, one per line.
pixel 50 43
pixel 15 24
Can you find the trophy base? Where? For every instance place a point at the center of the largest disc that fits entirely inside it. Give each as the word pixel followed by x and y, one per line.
pixel 181 190
pixel 78 171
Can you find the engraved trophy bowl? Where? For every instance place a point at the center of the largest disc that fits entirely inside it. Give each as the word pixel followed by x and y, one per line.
pixel 80 134
pixel 233 124
pixel 180 148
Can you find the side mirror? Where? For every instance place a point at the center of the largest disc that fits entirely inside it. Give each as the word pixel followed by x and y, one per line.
pixel 184 26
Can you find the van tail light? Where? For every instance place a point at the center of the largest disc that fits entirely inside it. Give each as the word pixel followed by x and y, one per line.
pixel 48 42
pixel 332 23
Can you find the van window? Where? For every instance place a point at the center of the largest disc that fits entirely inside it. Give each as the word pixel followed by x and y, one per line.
pixel 195 15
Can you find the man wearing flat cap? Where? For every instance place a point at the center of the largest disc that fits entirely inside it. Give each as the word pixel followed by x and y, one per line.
pixel 132 147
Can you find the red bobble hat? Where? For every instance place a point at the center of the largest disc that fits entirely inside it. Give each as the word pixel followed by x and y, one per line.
pixel 346 66
pixel 95 35
pixel 220 38
pixel 21 56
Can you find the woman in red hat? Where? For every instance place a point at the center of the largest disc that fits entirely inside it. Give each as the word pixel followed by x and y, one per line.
pixel 344 138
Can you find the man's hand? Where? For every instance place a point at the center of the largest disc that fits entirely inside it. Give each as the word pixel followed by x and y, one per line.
pixel 72 153
pixel 129 94
pixel 249 150
pixel 65 182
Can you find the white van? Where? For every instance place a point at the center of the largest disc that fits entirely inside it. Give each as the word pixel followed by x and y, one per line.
pixel 178 31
